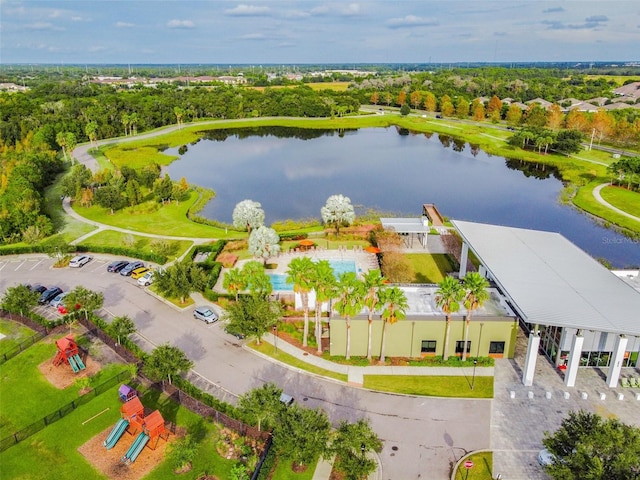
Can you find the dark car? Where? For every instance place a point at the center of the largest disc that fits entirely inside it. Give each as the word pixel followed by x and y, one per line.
pixel 126 271
pixel 116 266
pixel 233 332
pixel 49 294
pixel 438 116
pixel 37 288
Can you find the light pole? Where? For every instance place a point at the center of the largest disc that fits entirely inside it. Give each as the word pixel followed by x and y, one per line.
pixel 275 340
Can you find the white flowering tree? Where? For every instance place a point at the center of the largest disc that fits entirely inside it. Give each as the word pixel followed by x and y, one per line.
pixel 264 242
pixel 338 212
pixel 248 215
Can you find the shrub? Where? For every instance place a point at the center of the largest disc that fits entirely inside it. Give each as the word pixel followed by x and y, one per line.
pixel 123 251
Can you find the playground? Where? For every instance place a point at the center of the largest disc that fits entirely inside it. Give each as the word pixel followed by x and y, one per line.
pixel 60 373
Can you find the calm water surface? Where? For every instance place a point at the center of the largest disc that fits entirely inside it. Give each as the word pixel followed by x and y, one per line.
pixel 389 170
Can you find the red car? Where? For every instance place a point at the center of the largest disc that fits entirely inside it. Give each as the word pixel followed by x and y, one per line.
pixel 63 310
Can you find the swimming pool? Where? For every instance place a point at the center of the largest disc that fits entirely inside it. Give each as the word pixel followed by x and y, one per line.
pixel 279 280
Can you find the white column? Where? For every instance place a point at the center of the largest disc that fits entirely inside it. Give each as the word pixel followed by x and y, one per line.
pixel 530 361
pixel 482 271
pixel 616 361
pixel 571 372
pixel 463 260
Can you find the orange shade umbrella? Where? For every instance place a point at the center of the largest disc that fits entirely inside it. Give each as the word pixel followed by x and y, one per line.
pixel 372 249
pixel 306 243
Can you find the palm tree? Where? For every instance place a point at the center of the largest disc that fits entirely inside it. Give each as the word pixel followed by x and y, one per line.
pixel 234 281
pixel 374 285
pixel 395 308
pixel 350 301
pixel 300 273
pixel 475 286
pixel 448 297
pixel 324 284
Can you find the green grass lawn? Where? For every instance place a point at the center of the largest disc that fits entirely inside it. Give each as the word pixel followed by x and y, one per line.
pixel 269 350
pixel 32 395
pixel 145 244
pixel 584 199
pixel 623 199
pixel 431 386
pixel 169 220
pixel 430 268
pixel 283 471
pixel 481 470
pixel 15 333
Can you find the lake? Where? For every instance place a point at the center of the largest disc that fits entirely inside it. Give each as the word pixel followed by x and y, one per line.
pixel 292 172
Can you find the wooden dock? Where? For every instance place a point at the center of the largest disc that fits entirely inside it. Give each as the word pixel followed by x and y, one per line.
pixel 432 213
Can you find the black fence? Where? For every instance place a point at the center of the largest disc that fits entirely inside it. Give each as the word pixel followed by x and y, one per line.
pixel 35 427
pixel 21 347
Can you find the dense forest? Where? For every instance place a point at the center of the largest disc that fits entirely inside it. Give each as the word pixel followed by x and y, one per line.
pixel 41 124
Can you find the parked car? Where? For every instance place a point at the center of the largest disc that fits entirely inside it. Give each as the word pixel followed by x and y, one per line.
pixel 62 309
pixel 206 314
pixel 286 399
pixel 438 116
pixel 230 331
pixel 126 271
pixel 545 457
pixel 37 288
pixel 58 299
pixel 49 294
pixel 79 261
pixel 146 279
pixel 139 272
pixel 117 265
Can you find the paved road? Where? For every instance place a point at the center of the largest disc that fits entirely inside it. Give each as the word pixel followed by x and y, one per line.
pixel 422 436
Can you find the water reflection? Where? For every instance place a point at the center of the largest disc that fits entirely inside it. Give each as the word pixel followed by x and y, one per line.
pixel 292 172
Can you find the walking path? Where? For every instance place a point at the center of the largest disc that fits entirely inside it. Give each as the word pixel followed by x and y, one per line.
pixel 598 197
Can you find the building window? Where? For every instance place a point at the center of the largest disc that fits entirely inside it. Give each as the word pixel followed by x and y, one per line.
pixel 460 346
pixel 496 347
pixel 428 346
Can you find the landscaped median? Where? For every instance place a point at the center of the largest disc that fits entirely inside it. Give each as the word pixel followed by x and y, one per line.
pixel 450 381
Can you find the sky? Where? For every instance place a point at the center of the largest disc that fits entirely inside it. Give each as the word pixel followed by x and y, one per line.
pixel 307 31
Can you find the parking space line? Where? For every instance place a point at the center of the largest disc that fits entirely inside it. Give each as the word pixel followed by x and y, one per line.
pixel 39 262
pixel 98 267
pixel 18 267
pixel 4 264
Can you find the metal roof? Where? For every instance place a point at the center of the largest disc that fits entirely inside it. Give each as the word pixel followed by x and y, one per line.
pixel 406 225
pixel 550 281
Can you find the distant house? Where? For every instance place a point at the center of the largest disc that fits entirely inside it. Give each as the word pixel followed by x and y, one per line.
pixel 540 101
pixel 631 90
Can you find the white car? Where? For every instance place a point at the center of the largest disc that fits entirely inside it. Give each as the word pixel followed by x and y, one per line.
pixel 146 279
pixel 545 457
pixel 79 261
pixel 206 314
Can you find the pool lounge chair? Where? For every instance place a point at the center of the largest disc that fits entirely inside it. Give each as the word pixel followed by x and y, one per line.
pixel 633 382
pixel 624 382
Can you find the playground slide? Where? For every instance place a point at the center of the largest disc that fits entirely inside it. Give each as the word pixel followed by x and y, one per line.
pixel 133 452
pixel 116 433
pixel 79 362
pixel 74 367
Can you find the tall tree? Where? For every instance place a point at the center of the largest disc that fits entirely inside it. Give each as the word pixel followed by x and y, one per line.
pixel 258 282
pixel 262 405
pixel 462 107
pixel 253 316
pixel 351 445
pixel 475 286
pixel 166 361
pixel 374 285
pixel 587 446
pixel 19 299
pixel 248 215
pixel 302 434
pixel 430 102
pixel 395 308
pixel 514 115
pixel 61 140
pixel 234 281
pixel 179 280
pixel 300 274
pixel 448 297
pixel 264 242
pixel 350 300
pixel 91 130
pixel 338 212
pixel 554 117
pixel 324 284
pixel 121 326
pixel 446 106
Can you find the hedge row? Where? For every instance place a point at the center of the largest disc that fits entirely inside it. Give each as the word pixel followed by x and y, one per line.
pixel 124 251
pixel 19 249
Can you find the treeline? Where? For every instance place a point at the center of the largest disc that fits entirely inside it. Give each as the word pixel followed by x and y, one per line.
pixel 626 172
pixel 25 171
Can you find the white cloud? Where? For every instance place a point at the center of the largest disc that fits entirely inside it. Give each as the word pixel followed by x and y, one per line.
pixel 180 24
pixel 125 25
pixel 350 10
pixel 553 10
pixel 44 26
pixel 410 21
pixel 243 10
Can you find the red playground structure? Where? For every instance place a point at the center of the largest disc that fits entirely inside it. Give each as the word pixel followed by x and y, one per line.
pixel 68 353
pixel 150 429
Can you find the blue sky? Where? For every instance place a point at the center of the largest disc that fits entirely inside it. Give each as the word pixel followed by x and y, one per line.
pixel 308 31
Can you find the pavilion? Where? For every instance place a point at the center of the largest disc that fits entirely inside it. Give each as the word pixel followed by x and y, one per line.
pixel 408 229
pixel 561 295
